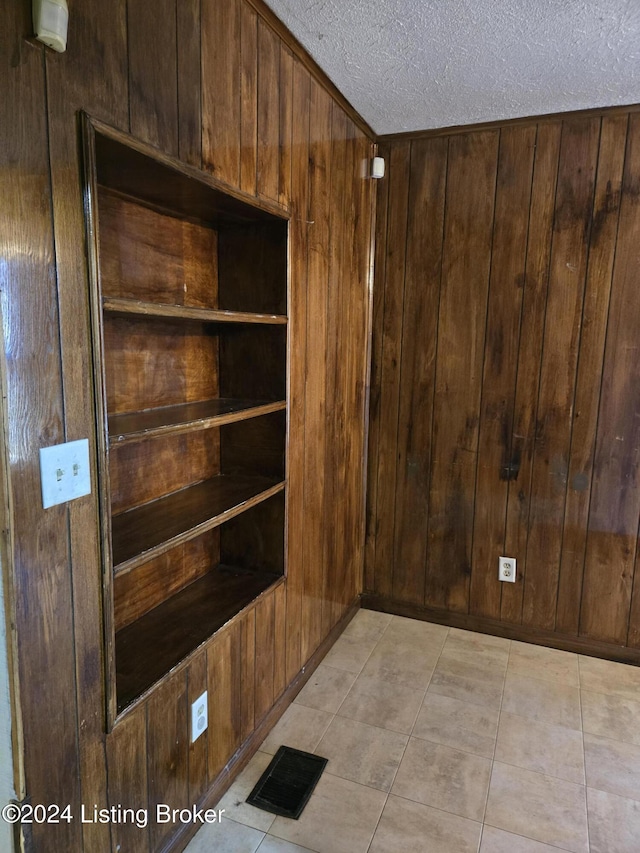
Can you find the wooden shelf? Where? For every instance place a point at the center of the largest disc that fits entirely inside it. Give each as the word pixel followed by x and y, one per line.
pixel 187 417
pixel 153 528
pixel 128 307
pixel 149 648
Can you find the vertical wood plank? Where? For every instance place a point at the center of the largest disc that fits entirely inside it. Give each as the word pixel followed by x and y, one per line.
pixel 496 465
pixel 399 167
pixel 248 675
pixel 153 78
pixel 615 496
pixel 543 194
pixel 265 636
pixel 248 98
pixel 335 467
pixel 221 89
pixel 286 124
pixel 189 82
pixel 198 775
pixel 471 178
pixel 77 82
pixel 602 245
pixel 423 270
pixel 297 366
pixel 356 355
pixel 346 531
pixel 127 759
pixel 315 390
pixel 223 676
pixel 168 751
pixel 375 391
pixel 268 111
pixel 574 199
pixel 279 641
pixel 42 580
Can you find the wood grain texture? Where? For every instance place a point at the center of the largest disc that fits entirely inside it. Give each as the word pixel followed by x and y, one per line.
pixel 268 149
pixel 154 363
pixel 41 569
pixel 223 670
pixel 189 82
pixel 127 758
pixel 247 676
pixel 358 214
pixel 385 471
pixel 466 253
pixel 423 270
pixel 165 637
pixel 315 390
pixel 280 641
pixel 335 469
pixel 143 472
pixel 221 88
pixel 574 200
pixel 168 753
pixel 375 386
pixel 497 467
pixel 534 419
pixel 543 193
pixel 264 654
pixel 160 104
pixel 602 245
pixel 286 126
pixel 103 88
pixel 153 257
pixel 297 366
pixel 615 504
pixel 153 82
pixel 142 589
pixel 248 98
pixel 198 751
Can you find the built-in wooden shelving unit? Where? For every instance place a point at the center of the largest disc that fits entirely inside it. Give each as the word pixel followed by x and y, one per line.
pixel 189 316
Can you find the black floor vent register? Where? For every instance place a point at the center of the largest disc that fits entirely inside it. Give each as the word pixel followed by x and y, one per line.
pixel 286 785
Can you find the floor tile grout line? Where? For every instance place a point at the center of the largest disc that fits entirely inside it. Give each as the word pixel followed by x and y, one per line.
pixel 584 757
pixel 528 838
pixel 408 738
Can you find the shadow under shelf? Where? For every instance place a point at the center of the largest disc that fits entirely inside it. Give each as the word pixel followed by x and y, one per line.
pixel 155 643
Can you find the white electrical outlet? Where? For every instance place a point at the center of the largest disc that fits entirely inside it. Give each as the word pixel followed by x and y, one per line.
pixel 64 472
pixel 507 569
pixel 199 717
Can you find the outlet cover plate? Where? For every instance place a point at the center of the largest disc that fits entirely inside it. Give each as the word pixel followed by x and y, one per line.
pixel 65 473
pixel 507 569
pixel 199 716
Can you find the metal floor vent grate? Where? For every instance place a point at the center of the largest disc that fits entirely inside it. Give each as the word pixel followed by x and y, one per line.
pixel 286 785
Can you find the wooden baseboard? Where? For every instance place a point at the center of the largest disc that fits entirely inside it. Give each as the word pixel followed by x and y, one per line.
pixel 565 642
pixel 245 753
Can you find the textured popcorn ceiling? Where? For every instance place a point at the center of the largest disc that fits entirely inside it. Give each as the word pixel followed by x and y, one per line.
pixel 418 64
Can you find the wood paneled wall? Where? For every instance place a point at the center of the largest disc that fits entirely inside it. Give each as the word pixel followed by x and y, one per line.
pixel 505 404
pixel 211 82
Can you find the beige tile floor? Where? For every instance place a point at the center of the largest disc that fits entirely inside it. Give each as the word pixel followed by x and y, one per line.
pixel 453 742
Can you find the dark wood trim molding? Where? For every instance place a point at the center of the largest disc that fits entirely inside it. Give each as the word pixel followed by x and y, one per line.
pixel 580 645
pixel 248 749
pixel 311 65
pixel 510 122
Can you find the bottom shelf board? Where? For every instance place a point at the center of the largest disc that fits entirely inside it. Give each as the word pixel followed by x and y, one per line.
pixel 151 646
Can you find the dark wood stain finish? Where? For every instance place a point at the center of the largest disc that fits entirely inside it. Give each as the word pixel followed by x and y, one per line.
pixel 245 109
pixel 153 77
pixel 534 430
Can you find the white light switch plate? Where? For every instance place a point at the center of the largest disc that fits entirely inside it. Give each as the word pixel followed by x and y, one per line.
pixel 64 472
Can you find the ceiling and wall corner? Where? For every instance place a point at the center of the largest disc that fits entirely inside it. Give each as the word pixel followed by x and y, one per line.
pixel 419 64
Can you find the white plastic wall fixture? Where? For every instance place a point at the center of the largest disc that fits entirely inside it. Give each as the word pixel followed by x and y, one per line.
pixel 377 167
pixel 50 22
